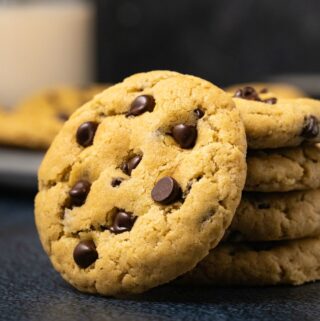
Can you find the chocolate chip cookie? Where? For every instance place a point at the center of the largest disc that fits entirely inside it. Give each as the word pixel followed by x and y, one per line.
pixel 37 119
pixel 271 122
pixel 288 262
pixel 141 183
pixel 285 169
pixel 276 216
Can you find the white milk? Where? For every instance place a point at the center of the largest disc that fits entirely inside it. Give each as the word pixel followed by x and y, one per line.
pixel 43 44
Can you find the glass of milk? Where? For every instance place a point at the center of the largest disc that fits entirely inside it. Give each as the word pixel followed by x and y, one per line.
pixel 44 43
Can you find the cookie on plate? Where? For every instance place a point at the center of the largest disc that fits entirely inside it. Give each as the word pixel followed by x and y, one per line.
pixel 281 90
pixel 273 123
pixel 288 262
pixel 285 169
pixel 276 216
pixel 37 119
pixel 141 183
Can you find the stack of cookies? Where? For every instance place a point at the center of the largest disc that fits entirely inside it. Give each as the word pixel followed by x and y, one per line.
pixel 274 237
pixel 143 182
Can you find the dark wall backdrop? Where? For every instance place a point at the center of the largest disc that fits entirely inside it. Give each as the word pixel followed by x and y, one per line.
pixel 222 41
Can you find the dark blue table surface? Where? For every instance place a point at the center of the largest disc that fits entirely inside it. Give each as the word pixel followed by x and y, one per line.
pixel 31 290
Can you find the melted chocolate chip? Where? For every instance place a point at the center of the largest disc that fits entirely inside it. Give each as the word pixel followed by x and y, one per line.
pixel 264 90
pixel 122 222
pixel 166 191
pixel 270 101
pixel 131 164
pixel 310 128
pixel 86 132
pixel 116 181
pixel 85 254
pixel 79 192
pixel 185 135
pixel 199 113
pixel 141 104
pixel 248 93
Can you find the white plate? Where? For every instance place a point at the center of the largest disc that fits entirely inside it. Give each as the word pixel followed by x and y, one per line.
pixel 19 167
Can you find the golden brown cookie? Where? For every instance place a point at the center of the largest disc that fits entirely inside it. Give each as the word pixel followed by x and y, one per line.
pixel 271 122
pixel 141 183
pixel 285 169
pixel 276 216
pixel 288 262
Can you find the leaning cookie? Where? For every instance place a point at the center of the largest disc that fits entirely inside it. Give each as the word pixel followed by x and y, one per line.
pixel 281 90
pixel 273 123
pixel 288 262
pixel 141 183
pixel 285 169
pixel 37 119
pixel 276 216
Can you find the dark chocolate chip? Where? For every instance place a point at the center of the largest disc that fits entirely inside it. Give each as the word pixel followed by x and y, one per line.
pixel 86 132
pixel 79 192
pixel 116 181
pixel 310 128
pixel 199 113
pixel 264 90
pixel 131 164
pixel 141 104
pixel 270 101
pixel 185 135
pixel 166 191
pixel 122 222
pixel 85 253
pixel 248 93
pixel 263 206
pixel 63 116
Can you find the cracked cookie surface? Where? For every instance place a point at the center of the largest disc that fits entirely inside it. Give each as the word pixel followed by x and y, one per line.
pixel 37 119
pixel 141 183
pixel 288 262
pixel 285 169
pixel 276 216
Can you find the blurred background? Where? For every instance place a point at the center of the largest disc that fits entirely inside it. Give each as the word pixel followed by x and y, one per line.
pixel 48 42
pixel 56 54
pixel 223 41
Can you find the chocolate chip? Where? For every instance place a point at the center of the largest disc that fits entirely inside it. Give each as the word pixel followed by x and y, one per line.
pixel 79 192
pixel 264 90
pixel 199 113
pixel 185 135
pixel 141 104
pixel 310 128
pixel 122 222
pixel 116 181
pixel 131 164
pixel 63 116
pixel 166 191
pixel 86 132
pixel 248 93
pixel 270 101
pixel 84 254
